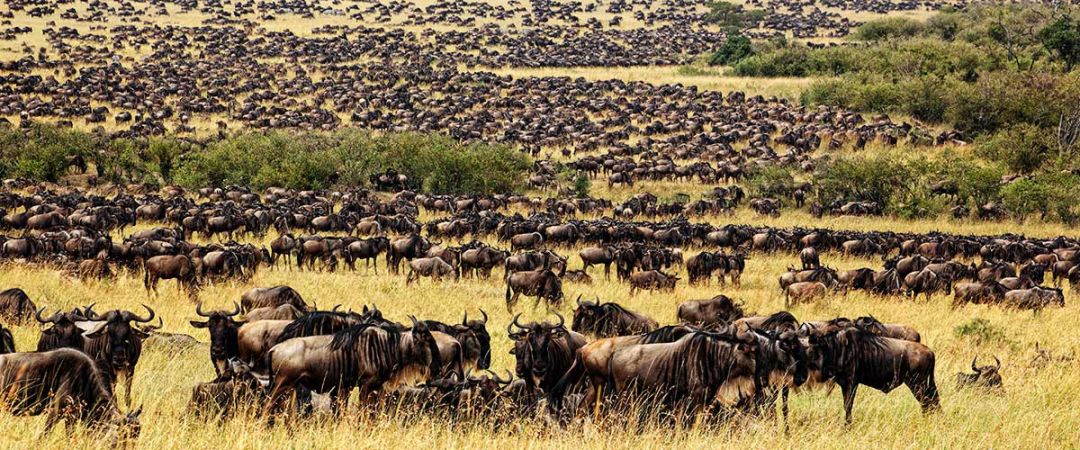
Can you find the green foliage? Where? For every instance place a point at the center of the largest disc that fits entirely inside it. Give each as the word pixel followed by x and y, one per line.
pixel 1062 38
pixel 876 179
pixel 581 185
pixel 771 181
pixel 889 28
pixel 732 17
pixel 1021 148
pixel 981 331
pixel 41 152
pixel 1046 194
pixel 736 48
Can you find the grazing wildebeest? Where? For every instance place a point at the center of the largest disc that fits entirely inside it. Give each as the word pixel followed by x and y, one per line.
pixel 780 364
pixel 578 276
pixel 853 357
pixel 978 293
pixel 542 284
pixel 651 280
pixel 526 241
pixel 543 351
pixel 115 344
pixel 804 291
pixel 223 334
pixel 1035 298
pixel 718 310
pixel 271 297
pixel 988 377
pixel 809 258
pixel 433 267
pixel 407 248
pixel 64 384
pixel 926 282
pixel 702 265
pixel 482 260
pixel 370 357
pixel 169 267
pixel 16 307
pixel 225 395
pixel 693 373
pixel 609 319
pixel 598 255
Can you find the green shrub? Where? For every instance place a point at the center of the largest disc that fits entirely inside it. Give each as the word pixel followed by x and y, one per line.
pixel 1021 148
pixel 876 179
pixel 732 17
pixel 736 48
pixel 981 331
pixel 889 28
pixel 42 151
pixel 771 181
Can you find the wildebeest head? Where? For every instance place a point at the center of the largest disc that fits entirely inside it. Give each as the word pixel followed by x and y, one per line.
pixel 586 315
pixel 531 345
pixel 62 332
pixel 421 349
pixel 223 338
pixel 473 333
pixel 122 340
pixel 985 376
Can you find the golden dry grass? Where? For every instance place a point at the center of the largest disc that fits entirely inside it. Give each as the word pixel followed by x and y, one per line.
pixel 1036 410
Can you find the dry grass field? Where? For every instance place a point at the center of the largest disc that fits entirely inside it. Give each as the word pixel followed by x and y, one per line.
pixel 1035 410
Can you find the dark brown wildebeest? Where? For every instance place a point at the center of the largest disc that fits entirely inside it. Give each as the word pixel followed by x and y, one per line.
pixel 687 375
pixel 718 310
pixel 780 364
pixel 542 284
pixel 526 241
pixel 545 259
pixel 25 247
pixel 62 331
pixel 856 279
pixel 651 280
pixel 115 344
pixel 367 250
pixel 64 384
pixel 224 396
pixel 781 321
pixel 482 260
pixel 271 297
pixel 702 265
pixel 407 248
pixel 543 351
pixel 1074 278
pixel 473 337
pixel 823 274
pixel 591 363
pixel 433 267
pixel 809 258
pixel 609 319
pixel 284 245
pixel 16 307
pixel 578 276
pixel 978 293
pixel 281 312
pixel 987 377
pixel 853 357
pixel 598 255
pixel 370 357
pixel 926 282
pixel 804 291
pixel 1035 298
pixel 223 335
pixel 171 267
pixel 7 341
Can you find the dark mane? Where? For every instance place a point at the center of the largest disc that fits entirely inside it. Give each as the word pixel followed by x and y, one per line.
pixel 670 333
pixel 347 338
pixel 317 323
pixel 775 321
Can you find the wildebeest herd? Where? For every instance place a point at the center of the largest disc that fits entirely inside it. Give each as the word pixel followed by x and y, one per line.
pixel 276 355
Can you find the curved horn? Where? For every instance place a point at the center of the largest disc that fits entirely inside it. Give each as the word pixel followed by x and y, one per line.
pixel 515 322
pixel 997 362
pixel 562 321
pixel 578 300
pixel 973 367
pixel 482 312
pixel 236 309
pixel 414 323
pixel 199 311
pixel 335 308
pixel 465 320
pixel 90 314
pixel 37 315
pixel 140 319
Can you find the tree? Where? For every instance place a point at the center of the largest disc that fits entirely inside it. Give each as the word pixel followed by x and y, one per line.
pixel 1062 38
pixel 733 18
pixel 732 51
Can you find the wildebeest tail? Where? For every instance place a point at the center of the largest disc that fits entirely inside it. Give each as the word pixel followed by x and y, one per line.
pixel 571 378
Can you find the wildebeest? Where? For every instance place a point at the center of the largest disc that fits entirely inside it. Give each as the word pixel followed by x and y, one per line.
pixel 16 307
pixel 271 297
pixel 473 337
pixel 115 344
pixel 809 258
pixel 650 280
pixel 171 267
pixel 526 241
pixel 222 397
pixel 543 351
pixel 433 267
pixel 481 260
pixel 889 330
pixel 62 331
pixel 281 312
pixel 367 250
pixel 720 309
pixel 988 377
pixel 223 334
pixel 695 372
pixel 366 356
pixel 64 384
pixel 609 319
pixel 853 357
pixel 407 248
pixel 542 284
pixel 598 255
pixel 804 291
pixel 702 265
pixel 1035 298
pixel 545 259
pixel 7 341
pixel 927 282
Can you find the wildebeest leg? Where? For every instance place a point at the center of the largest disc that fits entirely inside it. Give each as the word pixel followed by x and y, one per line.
pixel 784 408
pixel 848 390
pixel 607 271
pixel 925 391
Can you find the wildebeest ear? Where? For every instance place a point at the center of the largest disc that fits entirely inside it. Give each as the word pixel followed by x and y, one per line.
pixel 197 324
pixel 512 351
pixel 96 330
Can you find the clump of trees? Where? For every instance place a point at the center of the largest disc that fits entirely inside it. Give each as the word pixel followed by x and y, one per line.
pixel 302 160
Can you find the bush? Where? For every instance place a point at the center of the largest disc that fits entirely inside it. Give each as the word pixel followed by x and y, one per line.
pixel 889 28
pixel 877 179
pixel 981 331
pixel 736 48
pixel 732 17
pixel 41 152
pixel 1021 148
pixel 771 181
